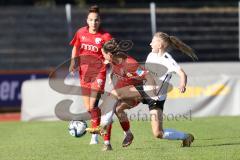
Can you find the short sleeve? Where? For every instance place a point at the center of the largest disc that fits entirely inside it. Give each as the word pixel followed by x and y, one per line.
pixel 76 40
pixel 107 37
pixel 173 66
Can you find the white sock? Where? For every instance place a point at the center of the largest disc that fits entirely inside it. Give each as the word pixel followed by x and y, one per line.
pixel 95 136
pixel 107 142
pixel 172 134
pixel 107 119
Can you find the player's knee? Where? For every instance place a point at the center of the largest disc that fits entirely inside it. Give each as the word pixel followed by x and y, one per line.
pixel 121 96
pixel 114 93
pixel 158 134
pixel 119 109
pixel 117 95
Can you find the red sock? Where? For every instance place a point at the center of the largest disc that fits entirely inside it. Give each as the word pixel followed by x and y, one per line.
pixel 107 136
pixel 95 117
pixel 125 125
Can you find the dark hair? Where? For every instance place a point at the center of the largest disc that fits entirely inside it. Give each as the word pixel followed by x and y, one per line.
pixel 94 9
pixel 114 48
pixel 111 46
pixel 117 47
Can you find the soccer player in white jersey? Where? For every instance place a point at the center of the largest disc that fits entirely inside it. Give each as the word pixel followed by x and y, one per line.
pixel 160 59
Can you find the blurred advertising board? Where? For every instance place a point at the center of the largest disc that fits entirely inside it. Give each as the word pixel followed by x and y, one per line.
pixel 10 85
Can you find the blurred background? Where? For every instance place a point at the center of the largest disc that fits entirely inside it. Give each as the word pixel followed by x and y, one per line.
pixel 35 35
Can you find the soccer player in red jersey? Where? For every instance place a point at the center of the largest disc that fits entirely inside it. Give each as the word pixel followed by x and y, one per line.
pixel 128 77
pixel 129 90
pixel 87 44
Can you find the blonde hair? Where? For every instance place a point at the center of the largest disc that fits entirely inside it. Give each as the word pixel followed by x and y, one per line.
pixel 173 41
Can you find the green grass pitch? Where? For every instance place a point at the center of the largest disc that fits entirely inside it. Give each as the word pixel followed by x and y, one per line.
pixel 215 138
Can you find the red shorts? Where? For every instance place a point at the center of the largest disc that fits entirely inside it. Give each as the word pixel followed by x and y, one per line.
pixel 94 82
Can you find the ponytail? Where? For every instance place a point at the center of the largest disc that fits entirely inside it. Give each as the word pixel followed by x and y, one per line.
pixel 174 42
pixel 184 48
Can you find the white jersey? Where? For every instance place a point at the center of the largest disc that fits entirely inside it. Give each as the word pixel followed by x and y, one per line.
pixel 161 67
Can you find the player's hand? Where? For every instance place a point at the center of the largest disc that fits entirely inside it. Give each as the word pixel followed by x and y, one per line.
pixel 182 89
pixel 72 68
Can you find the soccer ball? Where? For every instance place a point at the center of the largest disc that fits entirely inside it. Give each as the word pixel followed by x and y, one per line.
pixel 77 128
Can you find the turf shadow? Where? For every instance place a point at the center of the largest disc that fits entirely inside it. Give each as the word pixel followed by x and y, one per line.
pixel 218 145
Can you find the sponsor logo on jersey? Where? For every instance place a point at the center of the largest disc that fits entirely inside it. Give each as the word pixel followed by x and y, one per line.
pixel 89 47
pixel 98 40
pixel 139 72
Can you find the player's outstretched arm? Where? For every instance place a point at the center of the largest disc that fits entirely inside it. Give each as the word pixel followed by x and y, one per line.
pixel 183 80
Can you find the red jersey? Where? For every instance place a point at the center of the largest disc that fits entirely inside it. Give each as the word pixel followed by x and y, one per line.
pixel 88 43
pixel 91 57
pixel 129 72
